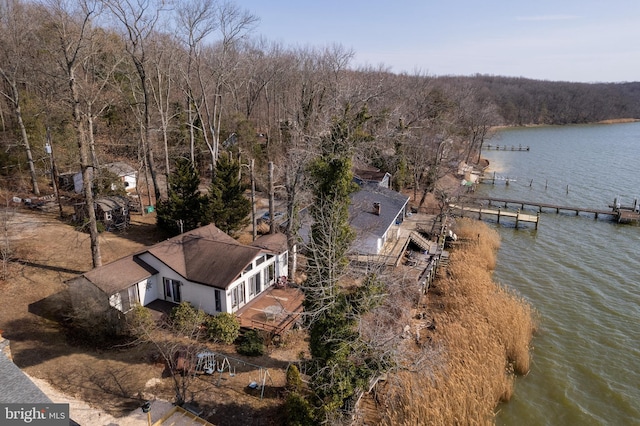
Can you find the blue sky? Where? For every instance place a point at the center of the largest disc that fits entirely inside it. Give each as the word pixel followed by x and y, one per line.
pixel 560 40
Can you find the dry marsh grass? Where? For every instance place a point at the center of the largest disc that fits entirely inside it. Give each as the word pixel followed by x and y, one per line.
pixel 483 332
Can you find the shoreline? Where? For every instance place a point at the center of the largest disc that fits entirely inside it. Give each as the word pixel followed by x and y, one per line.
pixel 609 121
pixel 479 343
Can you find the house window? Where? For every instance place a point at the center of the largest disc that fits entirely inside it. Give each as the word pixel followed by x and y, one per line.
pixel 260 260
pixel 218 300
pixel 271 273
pixel 255 284
pixel 234 297
pixel 242 293
pixel 238 296
pixel 249 267
pixel 172 290
pixel 128 299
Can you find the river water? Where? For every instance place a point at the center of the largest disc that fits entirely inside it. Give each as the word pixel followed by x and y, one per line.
pixel 582 275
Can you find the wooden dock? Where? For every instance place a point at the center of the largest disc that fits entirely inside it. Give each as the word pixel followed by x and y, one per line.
pixel 617 213
pixel 499 213
pixel 506 148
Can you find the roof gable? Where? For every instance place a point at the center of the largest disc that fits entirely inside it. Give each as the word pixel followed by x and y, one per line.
pixel 120 274
pixel 365 217
pixel 205 255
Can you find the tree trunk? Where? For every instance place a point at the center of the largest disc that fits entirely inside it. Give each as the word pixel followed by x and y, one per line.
pixel 25 137
pixel 87 171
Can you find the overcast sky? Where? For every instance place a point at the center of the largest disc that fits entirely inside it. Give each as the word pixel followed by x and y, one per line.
pixel 560 40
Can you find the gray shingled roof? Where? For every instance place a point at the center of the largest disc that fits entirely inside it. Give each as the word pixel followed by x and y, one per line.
pixel 361 211
pixel 16 387
pixel 205 255
pixel 204 261
pixel 120 274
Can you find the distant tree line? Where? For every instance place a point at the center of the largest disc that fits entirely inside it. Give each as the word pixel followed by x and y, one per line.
pixel 522 101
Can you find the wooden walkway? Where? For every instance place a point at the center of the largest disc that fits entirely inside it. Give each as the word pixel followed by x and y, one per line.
pixel 621 215
pixel 519 217
pixel 506 148
pixel 550 206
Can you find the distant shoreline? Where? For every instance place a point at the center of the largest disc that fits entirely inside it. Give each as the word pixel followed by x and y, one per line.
pixel 610 121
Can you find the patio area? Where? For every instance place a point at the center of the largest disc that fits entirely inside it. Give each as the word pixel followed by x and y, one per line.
pixel 276 310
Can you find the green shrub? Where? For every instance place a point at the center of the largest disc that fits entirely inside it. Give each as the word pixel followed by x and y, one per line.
pixel 223 327
pixel 186 319
pixel 139 319
pixel 294 379
pixel 298 411
pixel 251 344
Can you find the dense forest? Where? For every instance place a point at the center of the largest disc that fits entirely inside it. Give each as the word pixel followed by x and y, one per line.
pixel 147 83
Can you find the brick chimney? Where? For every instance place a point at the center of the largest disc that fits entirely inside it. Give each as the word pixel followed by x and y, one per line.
pixel 376 209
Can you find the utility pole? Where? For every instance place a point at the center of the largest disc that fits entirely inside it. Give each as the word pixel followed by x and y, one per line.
pixel 54 171
pixel 272 229
pixel 253 200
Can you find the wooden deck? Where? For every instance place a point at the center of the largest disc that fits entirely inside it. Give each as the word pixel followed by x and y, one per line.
pixel 276 310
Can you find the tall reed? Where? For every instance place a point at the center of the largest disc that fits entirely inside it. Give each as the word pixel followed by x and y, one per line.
pixel 480 342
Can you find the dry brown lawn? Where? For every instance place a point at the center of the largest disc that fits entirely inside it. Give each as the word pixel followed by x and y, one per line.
pixel 47 252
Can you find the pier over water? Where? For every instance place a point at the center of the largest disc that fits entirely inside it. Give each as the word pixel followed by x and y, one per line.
pixel 617 212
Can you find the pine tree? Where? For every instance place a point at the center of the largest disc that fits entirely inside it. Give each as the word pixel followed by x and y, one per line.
pixel 228 207
pixel 185 208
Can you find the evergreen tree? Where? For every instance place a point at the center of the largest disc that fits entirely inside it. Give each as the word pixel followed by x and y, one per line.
pixel 185 208
pixel 228 207
pixel 340 364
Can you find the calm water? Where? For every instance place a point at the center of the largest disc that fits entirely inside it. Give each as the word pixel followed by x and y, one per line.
pixel 581 275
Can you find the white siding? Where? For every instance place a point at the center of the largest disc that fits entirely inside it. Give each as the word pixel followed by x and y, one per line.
pixel 202 296
pixel 148 290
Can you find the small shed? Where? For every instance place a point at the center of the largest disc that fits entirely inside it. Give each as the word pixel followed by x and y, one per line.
pixel 112 211
pixel 125 172
pixel 127 175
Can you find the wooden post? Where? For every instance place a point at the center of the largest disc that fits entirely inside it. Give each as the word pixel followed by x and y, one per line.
pixel 517 217
pixel 498 214
pixel 493 182
pixel 567 189
pixel 537 219
pixel 272 229
pixel 531 183
pixel 545 184
pixel 253 200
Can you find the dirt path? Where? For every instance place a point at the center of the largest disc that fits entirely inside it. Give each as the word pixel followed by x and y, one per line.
pixel 84 414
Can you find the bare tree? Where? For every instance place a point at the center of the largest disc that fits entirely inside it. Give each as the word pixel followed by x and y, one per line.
pixel 476 116
pixel 16 38
pixel 177 350
pixel 6 251
pixel 195 21
pixel 138 20
pixel 233 23
pixel 72 31
pixel 164 57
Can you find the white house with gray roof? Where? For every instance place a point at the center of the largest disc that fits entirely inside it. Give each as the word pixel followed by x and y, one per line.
pixel 375 213
pixel 204 267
